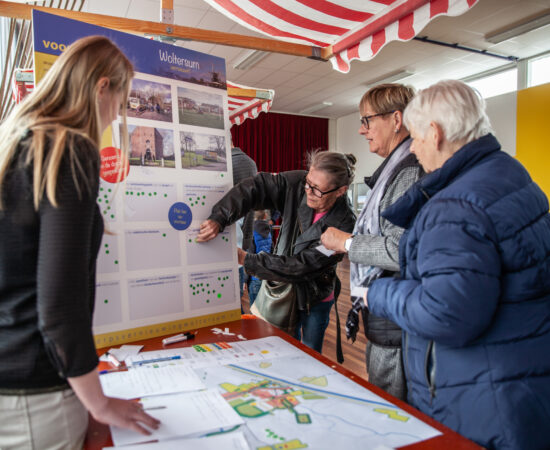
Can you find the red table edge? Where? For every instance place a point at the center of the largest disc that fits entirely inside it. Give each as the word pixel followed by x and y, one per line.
pixel 449 439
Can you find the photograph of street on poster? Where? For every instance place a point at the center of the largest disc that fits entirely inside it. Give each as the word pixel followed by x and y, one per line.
pixel 150 100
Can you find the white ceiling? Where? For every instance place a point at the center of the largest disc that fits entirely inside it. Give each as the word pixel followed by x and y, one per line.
pixel 300 82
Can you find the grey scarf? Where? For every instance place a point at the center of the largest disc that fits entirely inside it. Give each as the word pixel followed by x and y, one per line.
pixel 369 219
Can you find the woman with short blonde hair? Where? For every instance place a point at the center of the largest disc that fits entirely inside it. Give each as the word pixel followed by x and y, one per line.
pixel 51 231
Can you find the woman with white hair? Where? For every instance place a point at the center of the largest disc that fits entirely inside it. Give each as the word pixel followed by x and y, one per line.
pixel 474 294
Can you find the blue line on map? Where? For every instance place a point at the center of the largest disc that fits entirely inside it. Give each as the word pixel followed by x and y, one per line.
pixel 310 388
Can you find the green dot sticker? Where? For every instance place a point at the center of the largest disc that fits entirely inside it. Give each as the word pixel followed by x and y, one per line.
pixel 219 295
pixel 116 261
pixel 106 301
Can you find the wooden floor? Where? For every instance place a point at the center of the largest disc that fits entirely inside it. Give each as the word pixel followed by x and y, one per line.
pixel 354 354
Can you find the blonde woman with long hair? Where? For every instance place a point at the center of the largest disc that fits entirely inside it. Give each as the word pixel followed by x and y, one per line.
pixel 51 231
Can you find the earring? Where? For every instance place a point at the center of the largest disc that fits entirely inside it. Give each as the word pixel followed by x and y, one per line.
pixel 397 130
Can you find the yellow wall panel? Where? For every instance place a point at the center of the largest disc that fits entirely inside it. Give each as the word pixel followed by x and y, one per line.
pixel 533 137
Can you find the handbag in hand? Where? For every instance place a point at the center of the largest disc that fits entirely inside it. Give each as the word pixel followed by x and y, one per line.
pixel 276 304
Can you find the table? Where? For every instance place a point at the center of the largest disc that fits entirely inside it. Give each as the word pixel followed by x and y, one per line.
pixel 250 327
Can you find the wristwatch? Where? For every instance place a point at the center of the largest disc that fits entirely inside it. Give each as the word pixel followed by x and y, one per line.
pixel 347 244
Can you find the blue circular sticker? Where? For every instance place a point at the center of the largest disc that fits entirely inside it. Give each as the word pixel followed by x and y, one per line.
pixel 180 216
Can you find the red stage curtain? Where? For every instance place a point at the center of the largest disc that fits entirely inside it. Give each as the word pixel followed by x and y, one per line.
pixel 280 142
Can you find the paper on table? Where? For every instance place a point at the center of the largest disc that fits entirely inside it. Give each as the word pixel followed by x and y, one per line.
pixel 142 382
pixel 229 441
pixel 214 354
pixel 325 251
pixel 125 351
pixel 191 414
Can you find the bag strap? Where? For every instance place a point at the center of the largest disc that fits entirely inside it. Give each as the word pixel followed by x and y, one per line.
pixel 339 352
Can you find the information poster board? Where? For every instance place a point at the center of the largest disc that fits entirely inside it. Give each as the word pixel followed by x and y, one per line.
pixel 152 277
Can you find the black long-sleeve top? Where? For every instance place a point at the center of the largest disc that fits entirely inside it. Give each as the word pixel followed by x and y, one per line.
pixel 47 274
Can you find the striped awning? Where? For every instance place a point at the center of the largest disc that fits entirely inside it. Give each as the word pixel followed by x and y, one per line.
pixel 356 29
pixel 247 102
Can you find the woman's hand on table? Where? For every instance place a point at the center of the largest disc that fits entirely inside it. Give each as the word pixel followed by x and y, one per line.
pixel 125 414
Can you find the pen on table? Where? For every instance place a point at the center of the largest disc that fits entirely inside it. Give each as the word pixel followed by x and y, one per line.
pixel 178 338
pixel 113 359
pixel 154 407
pixel 122 369
pixel 149 361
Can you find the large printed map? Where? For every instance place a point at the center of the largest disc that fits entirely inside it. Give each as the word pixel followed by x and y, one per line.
pixel 294 402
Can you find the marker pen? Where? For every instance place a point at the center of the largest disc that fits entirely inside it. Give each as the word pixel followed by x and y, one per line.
pixel 113 360
pixel 178 338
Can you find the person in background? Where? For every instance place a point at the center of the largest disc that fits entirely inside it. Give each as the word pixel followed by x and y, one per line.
pixel 309 201
pixel 51 231
pixel 373 246
pixel 243 168
pixel 474 294
pixel 263 242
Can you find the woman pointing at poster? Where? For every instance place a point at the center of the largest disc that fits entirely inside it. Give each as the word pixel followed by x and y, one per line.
pixel 51 230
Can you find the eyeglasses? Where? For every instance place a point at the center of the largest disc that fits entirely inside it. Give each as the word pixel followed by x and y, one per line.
pixel 365 119
pixel 316 191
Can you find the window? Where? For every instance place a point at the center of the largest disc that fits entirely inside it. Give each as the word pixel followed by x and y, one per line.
pixel 496 84
pixel 539 71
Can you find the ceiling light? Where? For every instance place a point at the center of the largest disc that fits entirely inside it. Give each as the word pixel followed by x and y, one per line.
pixel 390 77
pixel 315 107
pixel 249 59
pixel 519 28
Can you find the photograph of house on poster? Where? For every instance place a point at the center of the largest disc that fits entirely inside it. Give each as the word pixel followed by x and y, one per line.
pixel 200 108
pixel 150 146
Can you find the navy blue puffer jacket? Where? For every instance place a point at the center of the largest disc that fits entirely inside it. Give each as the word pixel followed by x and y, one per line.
pixel 474 298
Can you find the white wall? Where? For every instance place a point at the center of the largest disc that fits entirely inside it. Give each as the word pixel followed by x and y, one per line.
pixel 502 111
pixel 348 140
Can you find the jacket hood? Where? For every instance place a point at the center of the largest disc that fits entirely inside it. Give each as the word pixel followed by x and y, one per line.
pixel 404 210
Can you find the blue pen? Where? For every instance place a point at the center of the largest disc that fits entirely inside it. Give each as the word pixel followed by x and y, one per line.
pixel 149 361
pixel 101 372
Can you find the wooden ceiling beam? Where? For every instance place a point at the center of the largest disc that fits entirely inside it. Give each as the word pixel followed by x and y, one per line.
pixel 22 11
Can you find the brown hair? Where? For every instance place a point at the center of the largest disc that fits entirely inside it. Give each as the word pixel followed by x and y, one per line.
pixel 340 167
pixel 63 105
pixel 387 97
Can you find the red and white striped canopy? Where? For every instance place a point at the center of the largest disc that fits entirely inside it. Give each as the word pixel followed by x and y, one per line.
pixel 247 102
pixel 356 29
